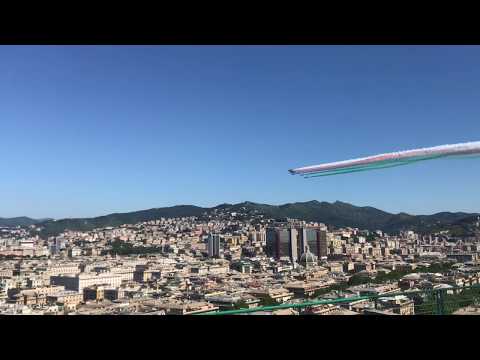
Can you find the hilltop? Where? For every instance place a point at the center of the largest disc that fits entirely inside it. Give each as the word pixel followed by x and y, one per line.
pixel 338 214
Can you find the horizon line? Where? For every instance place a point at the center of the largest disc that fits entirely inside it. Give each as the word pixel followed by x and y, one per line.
pixel 46 218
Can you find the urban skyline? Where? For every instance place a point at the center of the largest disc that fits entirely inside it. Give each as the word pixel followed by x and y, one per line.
pixel 156 182
pixel 237 260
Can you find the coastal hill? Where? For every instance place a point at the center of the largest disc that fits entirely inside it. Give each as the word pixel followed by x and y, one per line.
pixel 338 214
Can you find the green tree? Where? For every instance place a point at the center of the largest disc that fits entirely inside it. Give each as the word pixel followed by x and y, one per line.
pixel 241 305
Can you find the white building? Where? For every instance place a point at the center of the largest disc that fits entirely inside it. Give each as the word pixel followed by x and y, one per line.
pixel 83 280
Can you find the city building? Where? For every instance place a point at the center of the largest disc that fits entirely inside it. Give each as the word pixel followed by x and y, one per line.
pixel 283 242
pixel 214 246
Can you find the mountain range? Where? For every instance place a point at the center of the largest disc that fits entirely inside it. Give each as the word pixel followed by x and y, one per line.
pixel 338 214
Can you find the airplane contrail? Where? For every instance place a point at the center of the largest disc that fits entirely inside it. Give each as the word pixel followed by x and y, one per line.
pixel 388 160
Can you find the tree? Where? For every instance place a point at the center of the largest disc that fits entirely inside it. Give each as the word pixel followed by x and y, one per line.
pixel 268 301
pixel 241 305
pixel 358 279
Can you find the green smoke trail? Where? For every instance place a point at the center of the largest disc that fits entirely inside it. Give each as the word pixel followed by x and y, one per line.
pixel 379 165
pixel 350 170
pixel 466 156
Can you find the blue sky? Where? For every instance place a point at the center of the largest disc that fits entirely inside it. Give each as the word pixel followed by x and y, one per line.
pixel 90 130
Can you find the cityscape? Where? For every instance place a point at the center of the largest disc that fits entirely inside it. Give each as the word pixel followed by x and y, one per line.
pixel 236 260
pixel 274 147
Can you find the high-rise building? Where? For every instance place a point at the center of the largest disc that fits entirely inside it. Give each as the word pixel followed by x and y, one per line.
pixel 314 238
pixel 257 236
pixel 262 236
pixel 317 242
pixel 58 244
pixel 302 240
pixel 282 242
pixel 214 245
pixel 271 246
pixel 293 245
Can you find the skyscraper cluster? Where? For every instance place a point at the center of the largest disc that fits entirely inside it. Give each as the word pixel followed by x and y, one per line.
pixel 292 242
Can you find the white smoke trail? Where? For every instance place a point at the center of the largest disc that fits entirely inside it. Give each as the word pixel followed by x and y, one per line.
pixel 426 153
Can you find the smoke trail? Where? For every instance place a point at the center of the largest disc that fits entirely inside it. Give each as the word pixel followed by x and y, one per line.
pixel 393 159
pixel 467 157
pixel 363 168
pixel 379 165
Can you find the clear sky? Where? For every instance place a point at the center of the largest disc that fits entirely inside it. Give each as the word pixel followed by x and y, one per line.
pixel 90 130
